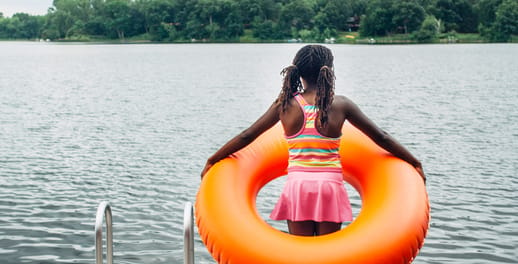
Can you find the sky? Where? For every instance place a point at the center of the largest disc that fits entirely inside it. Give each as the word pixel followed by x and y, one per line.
pixel 33 7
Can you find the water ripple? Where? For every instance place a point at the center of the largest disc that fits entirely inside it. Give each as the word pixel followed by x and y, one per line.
pixel 133 124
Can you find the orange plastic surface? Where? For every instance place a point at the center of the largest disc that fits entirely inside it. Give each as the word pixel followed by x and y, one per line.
pixel 390 227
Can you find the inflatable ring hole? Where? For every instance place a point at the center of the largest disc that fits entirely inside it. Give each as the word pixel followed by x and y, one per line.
pixel 355 200
pixel 266 199
pixel 270 193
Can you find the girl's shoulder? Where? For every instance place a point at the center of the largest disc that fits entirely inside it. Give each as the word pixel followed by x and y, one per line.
pixel 342 100
pixel 343 104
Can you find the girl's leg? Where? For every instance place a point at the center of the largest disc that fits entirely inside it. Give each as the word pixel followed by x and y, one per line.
pixel 323 228
pixel 302 228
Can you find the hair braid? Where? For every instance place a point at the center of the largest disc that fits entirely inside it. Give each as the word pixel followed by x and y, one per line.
pixel 314 63
pixel 290 86
pixel 325 93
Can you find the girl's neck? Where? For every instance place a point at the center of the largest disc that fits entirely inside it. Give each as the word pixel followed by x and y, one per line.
pixel 310 92
pixel 308 86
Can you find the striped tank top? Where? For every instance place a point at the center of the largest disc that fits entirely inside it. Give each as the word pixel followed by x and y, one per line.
pixel 309 151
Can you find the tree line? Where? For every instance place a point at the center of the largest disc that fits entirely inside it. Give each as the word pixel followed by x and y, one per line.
pixel 263 20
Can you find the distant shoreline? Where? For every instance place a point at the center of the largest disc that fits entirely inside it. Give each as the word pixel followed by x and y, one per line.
pixel 346 38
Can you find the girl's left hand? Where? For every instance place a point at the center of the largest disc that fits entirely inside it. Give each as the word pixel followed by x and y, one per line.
pixel 205 169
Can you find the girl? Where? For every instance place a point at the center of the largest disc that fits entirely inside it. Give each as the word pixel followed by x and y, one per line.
pixel 314 200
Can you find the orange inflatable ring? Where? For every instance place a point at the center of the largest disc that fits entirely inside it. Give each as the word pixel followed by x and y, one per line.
pixel 390 227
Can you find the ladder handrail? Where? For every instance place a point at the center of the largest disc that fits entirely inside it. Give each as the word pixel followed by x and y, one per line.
pixel 104 209
pixel 188 234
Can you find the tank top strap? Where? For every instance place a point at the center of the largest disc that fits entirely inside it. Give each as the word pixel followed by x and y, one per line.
pixel 300 99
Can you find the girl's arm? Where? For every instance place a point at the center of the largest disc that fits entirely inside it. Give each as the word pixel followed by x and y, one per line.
pixel 266 121
pixel 358 119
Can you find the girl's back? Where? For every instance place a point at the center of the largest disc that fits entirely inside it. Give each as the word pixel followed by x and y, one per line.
pixel 292 118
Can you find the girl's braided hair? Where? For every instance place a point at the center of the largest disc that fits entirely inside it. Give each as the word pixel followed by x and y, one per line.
pixel 314 63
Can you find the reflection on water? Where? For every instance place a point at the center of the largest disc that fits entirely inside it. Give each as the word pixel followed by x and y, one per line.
pixel 133 125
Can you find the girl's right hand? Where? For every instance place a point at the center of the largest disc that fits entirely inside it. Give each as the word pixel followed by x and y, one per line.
pixel 419 169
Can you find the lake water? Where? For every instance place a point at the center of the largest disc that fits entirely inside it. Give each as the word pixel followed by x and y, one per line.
pixel 133 125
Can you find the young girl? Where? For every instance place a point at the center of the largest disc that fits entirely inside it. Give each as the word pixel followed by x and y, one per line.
pixel 314 200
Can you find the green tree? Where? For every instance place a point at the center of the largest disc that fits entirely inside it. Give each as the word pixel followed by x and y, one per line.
pixel 21 26
pixel 208 14
pixel 5 28
pixel 95 26
pixel 159 18
pixel 333 14
pixel 266 29
pixel 408 15
pixel 457 15
pixel 70 16
pixel 259 10
pixel 377 20
pixel 506 21
pixel 430 29
pixel 187 25
pixel 233 21
pixel 58 24
pixel 122 19
pixel 426 4
pixel 262 16
pixel 358 7
pixel 296 15
pixel 487 11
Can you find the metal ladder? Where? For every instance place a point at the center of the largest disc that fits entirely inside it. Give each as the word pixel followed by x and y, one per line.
pixel 104 211
pixel 188 234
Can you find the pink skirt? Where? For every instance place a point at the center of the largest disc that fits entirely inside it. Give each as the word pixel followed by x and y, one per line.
pixel 317 196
